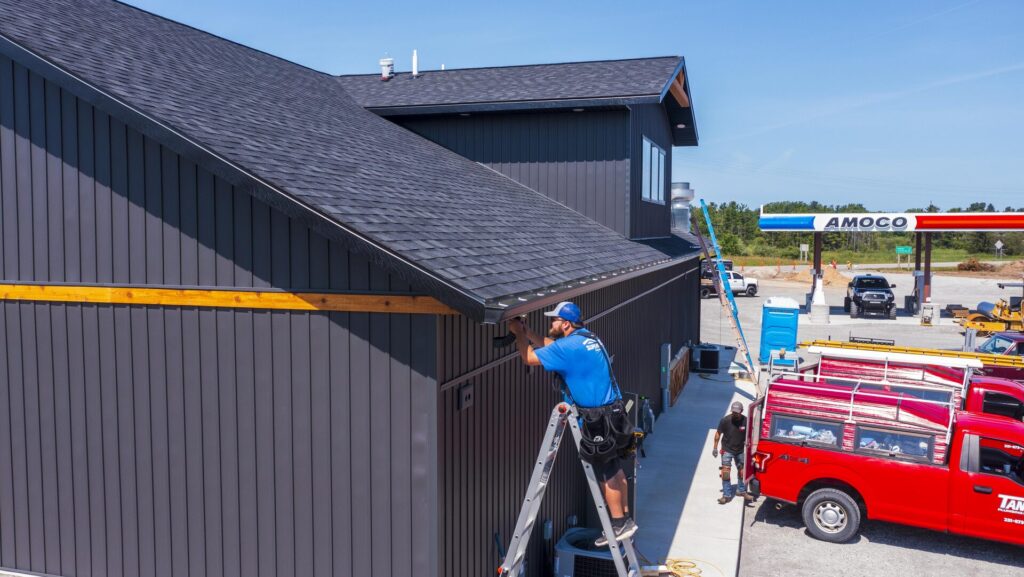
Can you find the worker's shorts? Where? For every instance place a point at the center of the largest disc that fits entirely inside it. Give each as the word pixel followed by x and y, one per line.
pixel 728 458
pixel 608 469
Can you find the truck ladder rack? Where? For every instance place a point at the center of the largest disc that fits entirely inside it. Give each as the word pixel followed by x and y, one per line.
pixel 985 358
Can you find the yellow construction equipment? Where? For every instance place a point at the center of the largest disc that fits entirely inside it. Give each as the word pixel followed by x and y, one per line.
pixel 985 358
pixel 1004 315
pixel 993 318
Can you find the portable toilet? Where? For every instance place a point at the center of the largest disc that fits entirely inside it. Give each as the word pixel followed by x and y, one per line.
pixel 779 316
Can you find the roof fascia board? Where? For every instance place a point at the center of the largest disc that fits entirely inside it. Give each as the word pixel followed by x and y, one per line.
pixel 522 105
pixel 681 67
pixel 260 188
pixel 497 314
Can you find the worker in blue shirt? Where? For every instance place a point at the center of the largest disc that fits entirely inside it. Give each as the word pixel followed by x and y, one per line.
pixel 579 358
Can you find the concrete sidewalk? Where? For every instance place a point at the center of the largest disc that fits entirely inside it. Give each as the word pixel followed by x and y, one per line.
pixel 678 483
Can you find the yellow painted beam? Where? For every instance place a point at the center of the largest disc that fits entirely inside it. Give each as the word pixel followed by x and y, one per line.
pixel 985 358
pixel 234 299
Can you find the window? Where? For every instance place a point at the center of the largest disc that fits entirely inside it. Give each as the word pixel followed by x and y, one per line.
pixel 786 428
pixel 1002 458
pixel 894 444
pixel 653 167
pixel 996 345
pixel 1002 404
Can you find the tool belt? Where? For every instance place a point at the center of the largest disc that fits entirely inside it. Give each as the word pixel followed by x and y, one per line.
pixel 607 432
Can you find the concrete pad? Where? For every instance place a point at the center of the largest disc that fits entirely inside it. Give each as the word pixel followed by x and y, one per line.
pixel 678 485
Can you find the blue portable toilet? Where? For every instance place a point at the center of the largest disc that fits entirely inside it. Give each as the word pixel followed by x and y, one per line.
pixel 779 316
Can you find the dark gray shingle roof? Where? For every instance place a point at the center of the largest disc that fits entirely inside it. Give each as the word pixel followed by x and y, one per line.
pixel 540 82
pixel 432 212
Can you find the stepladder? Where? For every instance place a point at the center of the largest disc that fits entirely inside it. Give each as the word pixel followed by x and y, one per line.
pixel 623 553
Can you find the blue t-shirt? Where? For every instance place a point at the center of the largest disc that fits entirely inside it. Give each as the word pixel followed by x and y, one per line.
pixel 579 359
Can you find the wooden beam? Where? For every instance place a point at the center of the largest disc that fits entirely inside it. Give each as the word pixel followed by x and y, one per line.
pixel 235 299
pixel 679 91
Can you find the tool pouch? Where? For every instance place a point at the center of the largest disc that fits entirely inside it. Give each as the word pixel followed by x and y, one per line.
pixel 607 432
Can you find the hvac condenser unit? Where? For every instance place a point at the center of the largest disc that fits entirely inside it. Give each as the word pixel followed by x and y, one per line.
pixel 577 556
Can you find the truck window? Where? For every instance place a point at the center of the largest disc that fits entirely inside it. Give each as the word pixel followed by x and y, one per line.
pixel 936 395
pixel 894 444
pixel 787 428
pixel 1001 458
pixel 1002 404
pixel 996 345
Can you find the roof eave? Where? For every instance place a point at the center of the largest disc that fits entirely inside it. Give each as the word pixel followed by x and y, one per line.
pixel 686 136
pixel 499 310
pixel 520 105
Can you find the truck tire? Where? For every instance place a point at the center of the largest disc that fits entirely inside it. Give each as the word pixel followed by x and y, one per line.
pixel 846 304
pixel 705 293
pixel 831 515
pixel 892 312
pixel 854 310
pixel 751 291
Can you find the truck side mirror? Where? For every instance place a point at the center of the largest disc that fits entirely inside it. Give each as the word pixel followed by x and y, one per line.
pixel 849 284
pixel 893 285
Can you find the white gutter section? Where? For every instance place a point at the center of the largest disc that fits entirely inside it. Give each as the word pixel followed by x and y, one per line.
pixel 903 358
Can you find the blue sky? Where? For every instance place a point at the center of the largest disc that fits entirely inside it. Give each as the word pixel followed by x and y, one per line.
pixel 893 104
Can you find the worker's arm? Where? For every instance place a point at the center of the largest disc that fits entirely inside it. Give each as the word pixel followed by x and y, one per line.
pixel 714 449
pixel 535 339
pixel 520 330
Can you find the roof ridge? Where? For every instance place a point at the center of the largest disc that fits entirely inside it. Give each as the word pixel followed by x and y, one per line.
pixel 222 38
pixel 537 64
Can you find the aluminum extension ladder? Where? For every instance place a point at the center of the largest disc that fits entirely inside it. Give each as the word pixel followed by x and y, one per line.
pixel 512 566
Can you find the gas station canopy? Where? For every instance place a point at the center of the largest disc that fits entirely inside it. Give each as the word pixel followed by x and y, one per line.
pixel 892 222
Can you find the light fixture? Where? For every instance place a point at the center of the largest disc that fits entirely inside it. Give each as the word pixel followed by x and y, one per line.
pixel 680 125
pixel 577 110
pixel 463 114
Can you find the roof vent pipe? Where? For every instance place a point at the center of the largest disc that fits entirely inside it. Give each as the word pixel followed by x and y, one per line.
pixel 387 68
pixel 682 194
pixel 415 64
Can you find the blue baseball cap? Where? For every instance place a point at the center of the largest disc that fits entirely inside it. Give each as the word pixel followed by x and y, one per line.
pixel 565 310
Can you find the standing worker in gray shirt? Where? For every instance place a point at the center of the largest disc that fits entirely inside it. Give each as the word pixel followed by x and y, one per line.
pixel 732 432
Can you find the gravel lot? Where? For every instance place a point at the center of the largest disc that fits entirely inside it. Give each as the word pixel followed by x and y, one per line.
pixel 774 541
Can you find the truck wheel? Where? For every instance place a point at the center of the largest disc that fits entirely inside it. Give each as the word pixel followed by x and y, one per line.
pixel 751 291
pixel 831 515
pixel 892 312
pixel 846 304
pixel 854 310
pixel 704 293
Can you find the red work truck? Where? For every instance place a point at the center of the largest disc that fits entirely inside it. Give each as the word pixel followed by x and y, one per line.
pixel 844 453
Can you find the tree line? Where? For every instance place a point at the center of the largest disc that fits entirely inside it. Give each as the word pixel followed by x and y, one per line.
pixel 736 226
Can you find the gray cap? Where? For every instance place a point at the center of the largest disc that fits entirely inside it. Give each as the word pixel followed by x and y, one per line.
pixel 737 407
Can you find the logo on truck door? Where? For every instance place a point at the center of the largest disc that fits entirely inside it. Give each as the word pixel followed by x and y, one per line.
pixel 1011 504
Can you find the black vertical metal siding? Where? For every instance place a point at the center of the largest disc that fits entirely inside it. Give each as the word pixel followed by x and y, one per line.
pixel 181 441
pixel 487 450
pixel 648 219
pixel 579 159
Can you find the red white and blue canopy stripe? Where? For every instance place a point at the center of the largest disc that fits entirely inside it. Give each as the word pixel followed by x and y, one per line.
pixel 892 222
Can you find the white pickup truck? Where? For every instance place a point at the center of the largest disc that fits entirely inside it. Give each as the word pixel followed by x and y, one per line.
pixel 737 282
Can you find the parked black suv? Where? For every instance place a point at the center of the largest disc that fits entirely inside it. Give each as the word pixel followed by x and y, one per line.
pixel 870 293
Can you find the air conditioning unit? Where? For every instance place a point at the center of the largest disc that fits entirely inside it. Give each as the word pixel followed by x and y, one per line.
pixel 577 556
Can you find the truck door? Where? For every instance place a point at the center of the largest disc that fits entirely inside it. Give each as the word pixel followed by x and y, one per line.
pixel 736 282
pixel 990 492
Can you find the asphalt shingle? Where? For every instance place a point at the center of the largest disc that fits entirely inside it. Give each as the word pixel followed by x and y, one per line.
pixel 564 81
pixel 299 130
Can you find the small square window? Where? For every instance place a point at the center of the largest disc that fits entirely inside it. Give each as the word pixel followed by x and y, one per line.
pixel 787 428
pixel 894 443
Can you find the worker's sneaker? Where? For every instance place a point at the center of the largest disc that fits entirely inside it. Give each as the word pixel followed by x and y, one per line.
pixel 724 500
pixel 624 531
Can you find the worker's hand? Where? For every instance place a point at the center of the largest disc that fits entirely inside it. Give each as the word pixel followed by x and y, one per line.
pixel 714 452
pixel 516 326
